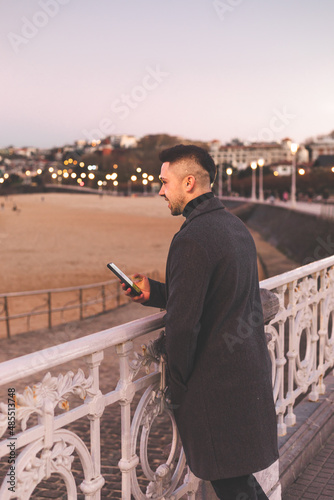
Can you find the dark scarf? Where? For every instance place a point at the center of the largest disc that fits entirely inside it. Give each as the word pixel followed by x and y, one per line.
pixel 195 202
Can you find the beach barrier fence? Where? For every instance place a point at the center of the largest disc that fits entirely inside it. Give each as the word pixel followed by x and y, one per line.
pixel 31 310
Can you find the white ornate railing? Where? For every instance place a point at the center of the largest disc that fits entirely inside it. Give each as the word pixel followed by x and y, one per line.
pixel 301 349
pixel 302 335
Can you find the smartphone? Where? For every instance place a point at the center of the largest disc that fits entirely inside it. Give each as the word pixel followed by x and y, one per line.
pixel 135 290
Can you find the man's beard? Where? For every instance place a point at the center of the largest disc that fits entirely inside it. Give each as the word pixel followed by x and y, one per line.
pixel 177 207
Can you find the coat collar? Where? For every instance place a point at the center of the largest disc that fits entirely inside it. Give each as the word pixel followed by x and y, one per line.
pixel 206 206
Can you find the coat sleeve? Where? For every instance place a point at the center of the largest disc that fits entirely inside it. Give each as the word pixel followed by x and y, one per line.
pixel 189 276
pixel 157 295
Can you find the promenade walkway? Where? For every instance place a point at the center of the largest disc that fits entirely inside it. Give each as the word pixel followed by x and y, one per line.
pixel 300 206
pixel 317 480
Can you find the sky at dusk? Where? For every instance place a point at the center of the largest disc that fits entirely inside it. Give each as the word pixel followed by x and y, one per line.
pixel 200 69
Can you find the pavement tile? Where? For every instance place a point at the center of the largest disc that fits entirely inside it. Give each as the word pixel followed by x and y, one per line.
pixel 309 495
pixel 317 478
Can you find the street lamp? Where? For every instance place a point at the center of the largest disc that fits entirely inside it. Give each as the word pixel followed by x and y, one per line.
pixel 220 179
pixel 133 178
pixel 254 167
pixel 260 163
pixel 294 148
pixel 229 172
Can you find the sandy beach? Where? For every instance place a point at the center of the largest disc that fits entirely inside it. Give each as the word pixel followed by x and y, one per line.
pixel 60 240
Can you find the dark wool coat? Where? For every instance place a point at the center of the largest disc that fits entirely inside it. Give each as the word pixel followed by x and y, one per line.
pixel 218 362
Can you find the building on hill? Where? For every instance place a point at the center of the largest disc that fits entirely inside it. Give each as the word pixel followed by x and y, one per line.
pixel 321 146
pixel 240 155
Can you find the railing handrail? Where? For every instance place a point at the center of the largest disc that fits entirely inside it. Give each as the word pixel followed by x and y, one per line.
pixel 57 290
pixel 15 369
pixel 295 274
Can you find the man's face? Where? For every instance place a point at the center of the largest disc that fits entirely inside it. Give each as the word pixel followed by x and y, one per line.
pixel 172 189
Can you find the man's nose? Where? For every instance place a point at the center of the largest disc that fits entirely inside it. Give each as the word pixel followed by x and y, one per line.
pixel 161 192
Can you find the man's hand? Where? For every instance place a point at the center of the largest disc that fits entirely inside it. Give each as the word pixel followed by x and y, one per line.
pixel 143 283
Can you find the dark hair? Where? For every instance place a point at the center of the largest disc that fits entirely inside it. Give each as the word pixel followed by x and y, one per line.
pixel 191 152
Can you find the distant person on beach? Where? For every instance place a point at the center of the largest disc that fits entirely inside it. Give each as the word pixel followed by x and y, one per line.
pixel 219 370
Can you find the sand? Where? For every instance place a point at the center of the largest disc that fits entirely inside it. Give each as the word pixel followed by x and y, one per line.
pixel 60 240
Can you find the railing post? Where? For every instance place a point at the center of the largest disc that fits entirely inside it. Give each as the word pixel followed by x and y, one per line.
pixel 103 291
pixel 322 331
pixel 290 418
pixel 281 361
pixel 127 461
pixel 81 304
pixel 97 406
pixel 314 394
pixel 49 310
pixel 7 317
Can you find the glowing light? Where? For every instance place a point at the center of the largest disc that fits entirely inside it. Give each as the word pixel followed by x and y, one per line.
pixel 113 176
pixel 99 183
pixel 39 171
pixel 150 178
pixel 28 172
pixel 254 165
pixel 51 169
pixel 81 164
pixel 59 172
pixel 294 147
pixel 70 160
pixel 145 181
pixel 134 177
pixel 91 176
pixel 229 171
pixel 138 170
pixel 73 175
pixel 54 175
pixel 115 183
pixel 65 175
pixel 260 162
pixel 65 162
pixel 301 171
pixel 145 175
pixel 2 180
pixel 83 175
pixel 6 176
pixel 115 166
pixel 275 173
pixel 75 162
pixel 332 169
pixel 92 167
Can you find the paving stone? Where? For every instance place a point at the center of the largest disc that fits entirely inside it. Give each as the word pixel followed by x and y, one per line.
pixel 317 478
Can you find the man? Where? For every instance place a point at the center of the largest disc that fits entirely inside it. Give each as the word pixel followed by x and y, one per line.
pixel 217 359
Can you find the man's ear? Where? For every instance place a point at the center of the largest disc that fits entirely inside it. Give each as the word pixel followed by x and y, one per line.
pixel 189 182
